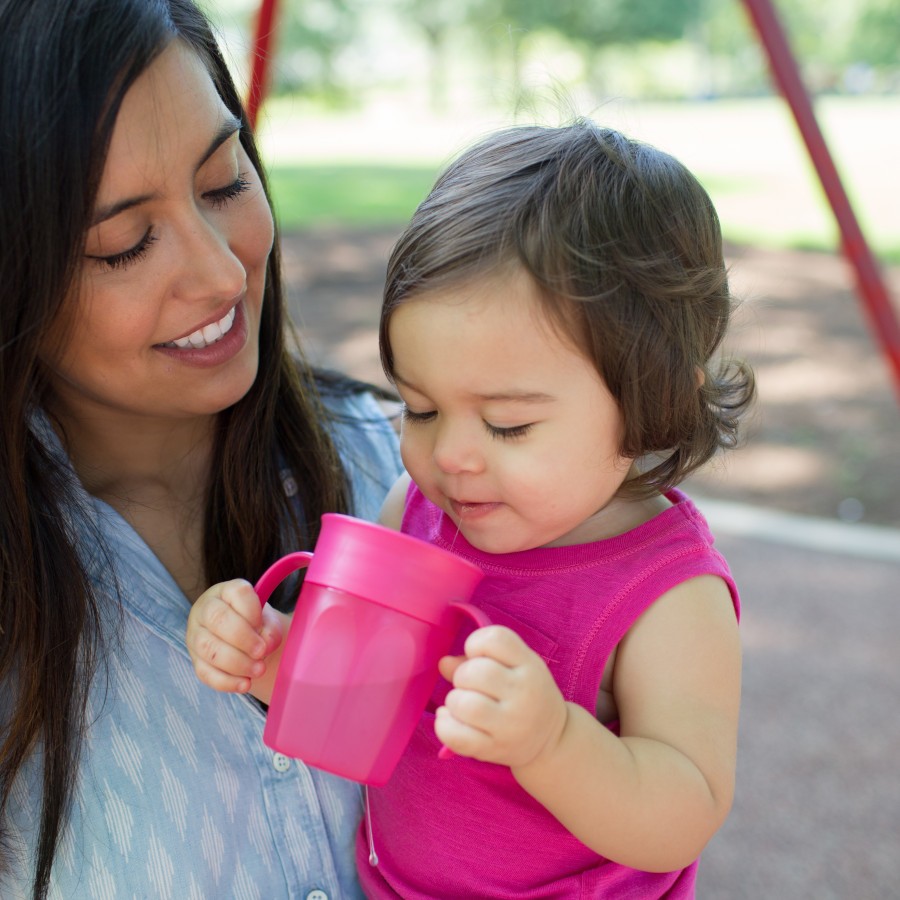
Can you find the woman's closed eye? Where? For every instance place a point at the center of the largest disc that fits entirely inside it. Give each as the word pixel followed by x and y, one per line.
pixel 221 196
pixel 127 257
pixel 217 199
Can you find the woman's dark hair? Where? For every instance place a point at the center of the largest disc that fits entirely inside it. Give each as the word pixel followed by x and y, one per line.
pixel 65 66
pixel 625 247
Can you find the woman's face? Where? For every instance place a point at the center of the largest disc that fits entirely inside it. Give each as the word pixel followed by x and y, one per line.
pixel 164 323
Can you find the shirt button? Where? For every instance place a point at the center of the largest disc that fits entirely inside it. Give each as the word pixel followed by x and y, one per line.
pixel 317 895
pixel 281 763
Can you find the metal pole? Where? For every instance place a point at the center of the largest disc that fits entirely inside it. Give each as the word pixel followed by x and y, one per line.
pixel 260 60
pixel 871 286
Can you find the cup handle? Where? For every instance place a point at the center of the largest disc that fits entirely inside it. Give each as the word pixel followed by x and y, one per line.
pixel 278 571
pixel 473 612
pixel 480 620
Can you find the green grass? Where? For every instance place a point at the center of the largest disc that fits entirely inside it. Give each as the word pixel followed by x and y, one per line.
pixel 310 195
pixel 788 225
pixel 341 170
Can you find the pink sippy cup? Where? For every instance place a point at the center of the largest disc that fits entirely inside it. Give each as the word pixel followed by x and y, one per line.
pixel 376 612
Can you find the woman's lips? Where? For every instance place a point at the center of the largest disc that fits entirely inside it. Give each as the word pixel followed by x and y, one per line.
pixel 208 334
pixel 220 351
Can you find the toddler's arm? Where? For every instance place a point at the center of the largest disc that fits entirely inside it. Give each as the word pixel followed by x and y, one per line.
pixel 234 642
pixel 650 798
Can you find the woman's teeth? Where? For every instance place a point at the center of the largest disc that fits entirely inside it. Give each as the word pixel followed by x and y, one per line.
pixel 207 335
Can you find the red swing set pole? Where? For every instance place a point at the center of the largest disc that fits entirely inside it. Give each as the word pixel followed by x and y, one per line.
pixel 260 60
pixel 871 286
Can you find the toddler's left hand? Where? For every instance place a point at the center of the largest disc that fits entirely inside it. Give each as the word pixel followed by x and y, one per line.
pixel 505 706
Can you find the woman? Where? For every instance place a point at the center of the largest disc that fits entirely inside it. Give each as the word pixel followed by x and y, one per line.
pixel 157 437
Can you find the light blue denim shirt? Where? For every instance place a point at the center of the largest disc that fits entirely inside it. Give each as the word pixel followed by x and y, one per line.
pixel 177 796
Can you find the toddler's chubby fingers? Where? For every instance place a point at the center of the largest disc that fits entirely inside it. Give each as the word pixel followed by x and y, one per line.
pixel 223 636
pixel 232 612
pixel 484 676
pixel 474 708
pixel 460 737
pixel 226 681
pixel 239 596
pixel 498 643
pixel 448 665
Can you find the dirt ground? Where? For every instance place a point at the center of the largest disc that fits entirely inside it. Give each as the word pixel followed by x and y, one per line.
pixel 824 438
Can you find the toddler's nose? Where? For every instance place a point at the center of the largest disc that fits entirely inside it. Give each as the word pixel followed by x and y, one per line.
pixel 456 451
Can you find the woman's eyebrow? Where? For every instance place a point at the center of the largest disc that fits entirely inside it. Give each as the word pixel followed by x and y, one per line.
pixel 228 127
pixel 226 130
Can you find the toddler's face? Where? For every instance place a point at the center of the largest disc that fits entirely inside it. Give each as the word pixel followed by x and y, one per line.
pixel 507 426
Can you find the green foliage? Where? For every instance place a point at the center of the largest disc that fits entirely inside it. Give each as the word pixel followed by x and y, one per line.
pixel 352 194
pixel 325 47
pixel 311 34
pixel 876 39
pixel 595 22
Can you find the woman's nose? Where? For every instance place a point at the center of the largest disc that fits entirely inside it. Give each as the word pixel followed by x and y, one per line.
pixel 456 450
pixel 209 267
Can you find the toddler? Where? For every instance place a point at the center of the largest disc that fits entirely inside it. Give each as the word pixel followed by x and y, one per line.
pixel 552 320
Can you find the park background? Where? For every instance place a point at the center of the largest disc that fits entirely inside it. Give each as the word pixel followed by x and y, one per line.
pixel 367 99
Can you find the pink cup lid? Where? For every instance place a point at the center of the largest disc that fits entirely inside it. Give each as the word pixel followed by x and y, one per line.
pixel 389 568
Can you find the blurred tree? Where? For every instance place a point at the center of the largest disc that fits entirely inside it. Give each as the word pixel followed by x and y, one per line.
pixel 589 25
pixel 312 34
pixel 437 22
pixel 826 36
pixel 818 31
pixel 876 38
pixel 330 48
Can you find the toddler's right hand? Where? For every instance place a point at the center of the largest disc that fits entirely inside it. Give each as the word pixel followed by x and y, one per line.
pixel 229 636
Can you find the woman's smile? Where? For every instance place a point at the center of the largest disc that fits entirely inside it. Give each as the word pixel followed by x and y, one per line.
pixel 212 345
pixel 206 334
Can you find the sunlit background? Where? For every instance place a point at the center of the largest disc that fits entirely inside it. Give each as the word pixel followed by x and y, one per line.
pixel 367 99
pixel 381 92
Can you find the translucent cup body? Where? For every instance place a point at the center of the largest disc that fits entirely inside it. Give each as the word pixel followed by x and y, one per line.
pixel 376 612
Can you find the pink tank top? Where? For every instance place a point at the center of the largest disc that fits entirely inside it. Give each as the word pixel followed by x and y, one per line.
pixel 461 828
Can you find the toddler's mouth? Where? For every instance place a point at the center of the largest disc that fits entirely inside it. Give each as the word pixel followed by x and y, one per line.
pixel 468 508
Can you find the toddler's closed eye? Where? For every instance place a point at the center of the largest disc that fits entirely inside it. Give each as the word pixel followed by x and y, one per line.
pixel 510 433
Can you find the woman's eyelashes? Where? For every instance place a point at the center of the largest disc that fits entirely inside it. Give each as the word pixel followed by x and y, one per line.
pixel 503 433
pixel 220 197
pixel 217 199
pixel 127 257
